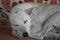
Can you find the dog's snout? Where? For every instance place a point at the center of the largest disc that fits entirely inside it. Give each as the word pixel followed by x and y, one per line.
pixel 25 34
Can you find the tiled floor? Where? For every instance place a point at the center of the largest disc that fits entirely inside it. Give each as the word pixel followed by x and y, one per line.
pixel 5 34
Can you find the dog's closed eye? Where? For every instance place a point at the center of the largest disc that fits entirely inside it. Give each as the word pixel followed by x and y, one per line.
pixel 15 11
pixel 25 21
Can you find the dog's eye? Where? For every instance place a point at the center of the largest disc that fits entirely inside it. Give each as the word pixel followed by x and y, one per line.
pixel 16 25
pixel 25 21
pixel 15 11
pixel 57 32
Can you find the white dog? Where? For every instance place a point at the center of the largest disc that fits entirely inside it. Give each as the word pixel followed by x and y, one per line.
pixel 35 20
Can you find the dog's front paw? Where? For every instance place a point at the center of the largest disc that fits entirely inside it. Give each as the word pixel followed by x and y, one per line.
pixel 14 33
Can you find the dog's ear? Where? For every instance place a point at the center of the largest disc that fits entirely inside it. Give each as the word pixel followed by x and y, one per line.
pixel 25 21
pixel 28 11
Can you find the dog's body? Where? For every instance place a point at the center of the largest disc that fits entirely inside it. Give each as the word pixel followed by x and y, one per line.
pixel 38 23
pixel 39 18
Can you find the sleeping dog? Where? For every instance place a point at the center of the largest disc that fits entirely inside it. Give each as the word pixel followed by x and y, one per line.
pixel 35 20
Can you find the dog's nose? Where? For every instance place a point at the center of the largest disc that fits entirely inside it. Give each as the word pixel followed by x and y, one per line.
pixel 25 34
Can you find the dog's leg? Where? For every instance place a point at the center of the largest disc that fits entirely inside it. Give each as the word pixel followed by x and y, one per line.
pixel 14 31
pixel 44 31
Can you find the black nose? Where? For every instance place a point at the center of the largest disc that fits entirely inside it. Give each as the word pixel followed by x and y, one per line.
pixel 25 34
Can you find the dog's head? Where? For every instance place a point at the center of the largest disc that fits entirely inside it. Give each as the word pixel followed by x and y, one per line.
pixel 23 20
pixel 21 17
